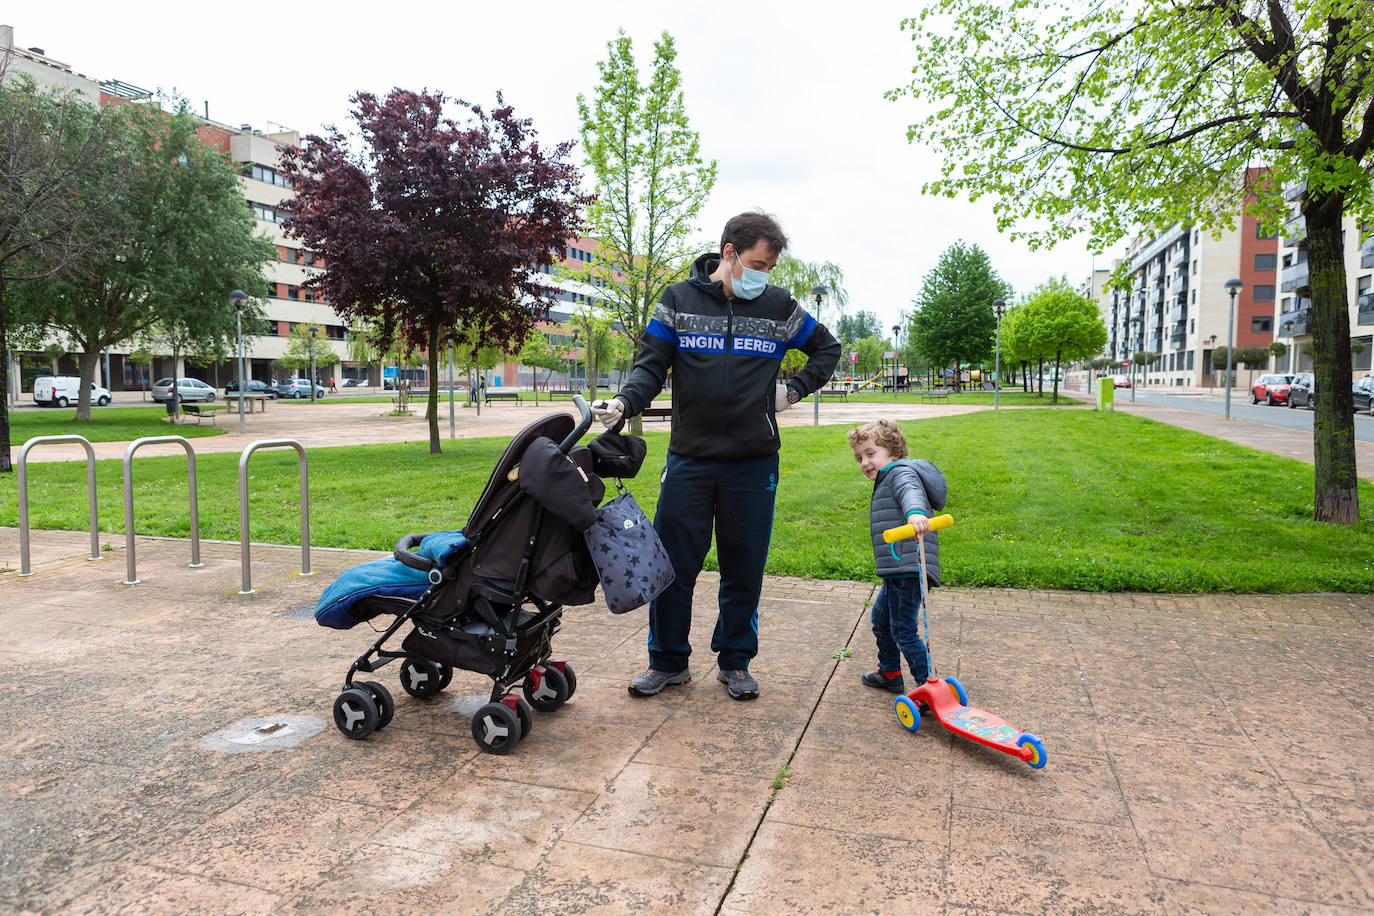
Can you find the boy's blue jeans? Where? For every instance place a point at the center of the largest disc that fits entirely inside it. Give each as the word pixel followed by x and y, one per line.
pixel 896 628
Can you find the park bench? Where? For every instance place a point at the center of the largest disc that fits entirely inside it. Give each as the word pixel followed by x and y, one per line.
pixel 490 396
pixel 840 393
pixel 567 392
pixel 201 412
pixel 935 394
pixel 657 413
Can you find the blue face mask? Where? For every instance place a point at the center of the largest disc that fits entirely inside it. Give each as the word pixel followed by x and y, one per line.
pixel 750 284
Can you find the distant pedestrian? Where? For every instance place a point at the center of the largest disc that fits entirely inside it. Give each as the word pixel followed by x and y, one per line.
pixel 904 492
pixel 332 387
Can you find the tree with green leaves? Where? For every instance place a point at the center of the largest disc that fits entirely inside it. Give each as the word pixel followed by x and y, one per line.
pixel 852 328
pixel 538 353
pixel 179 237
pixel 1064 325
pixel 800 278
pixel 954 322
pixel 300 345
pixel 602 344
pixel 60 164
pixel 651 181
pixel 1131 113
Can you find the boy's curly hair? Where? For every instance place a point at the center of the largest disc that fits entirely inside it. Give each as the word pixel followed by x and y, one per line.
pixel 885 433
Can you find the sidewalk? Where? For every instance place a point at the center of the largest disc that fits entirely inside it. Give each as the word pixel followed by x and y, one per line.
pixel 1206 754
pixel 1277 440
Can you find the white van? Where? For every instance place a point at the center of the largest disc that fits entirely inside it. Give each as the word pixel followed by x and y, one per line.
pixel 62 390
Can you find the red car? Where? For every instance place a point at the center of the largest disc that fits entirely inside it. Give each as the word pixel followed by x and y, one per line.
pixel 1271 389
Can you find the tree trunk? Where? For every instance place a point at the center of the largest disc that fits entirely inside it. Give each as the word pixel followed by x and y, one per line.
pixel 5 466
pixel 1336 497
pixel 88 361
pixel 433 399
pixel 1058 355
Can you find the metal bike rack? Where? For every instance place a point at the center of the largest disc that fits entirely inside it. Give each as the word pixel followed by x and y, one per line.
pixel 24 498
pixel 132 577
pixel 245 552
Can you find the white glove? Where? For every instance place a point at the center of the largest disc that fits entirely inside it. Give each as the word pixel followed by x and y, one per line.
pixel 609 412
pixel 780 401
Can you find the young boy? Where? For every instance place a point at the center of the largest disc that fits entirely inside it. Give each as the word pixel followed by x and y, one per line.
pixel 904 491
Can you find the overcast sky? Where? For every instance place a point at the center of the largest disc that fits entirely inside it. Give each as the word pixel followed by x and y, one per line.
pixel 791 106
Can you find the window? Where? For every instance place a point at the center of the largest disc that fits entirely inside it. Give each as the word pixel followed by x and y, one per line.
pixel 1261 234
pixel 1262 324
pixel 266 213
pixel 1263 293
pixel 1362 285
pixel 1190 360
pixel 266 174
pixel 1195 265
pixel 1192 328
pixel 1266 261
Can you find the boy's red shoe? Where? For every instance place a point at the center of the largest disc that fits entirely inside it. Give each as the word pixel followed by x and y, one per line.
pixel 890 681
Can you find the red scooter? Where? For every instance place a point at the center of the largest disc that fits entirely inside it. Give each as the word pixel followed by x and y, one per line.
pixel 946 698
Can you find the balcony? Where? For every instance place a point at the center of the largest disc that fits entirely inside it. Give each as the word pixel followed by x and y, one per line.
pixel 1294 324
pixel 1294 191
pixel 1179 285
pixel 1178 313
pixel 1157 297
pixel 1367 252
pixel 1364 313
pixel 1293 277
pixel 1180 257
pixel 1177 340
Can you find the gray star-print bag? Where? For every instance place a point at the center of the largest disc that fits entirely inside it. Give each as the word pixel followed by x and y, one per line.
pixel 630 560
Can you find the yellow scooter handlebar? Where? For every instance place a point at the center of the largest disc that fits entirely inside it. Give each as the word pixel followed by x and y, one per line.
pixel 903 532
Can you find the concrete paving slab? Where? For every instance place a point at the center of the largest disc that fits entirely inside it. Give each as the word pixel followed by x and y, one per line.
pixel 1206 754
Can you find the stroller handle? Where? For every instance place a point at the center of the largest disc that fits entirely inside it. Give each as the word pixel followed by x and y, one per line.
pixel 902 532
pixel 580 430
pixel 402 553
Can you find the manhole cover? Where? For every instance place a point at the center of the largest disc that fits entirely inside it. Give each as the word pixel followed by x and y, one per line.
pixel 304 612
pixel 273 733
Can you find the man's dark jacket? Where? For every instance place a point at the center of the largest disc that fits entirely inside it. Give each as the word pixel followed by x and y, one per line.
pixel 724 354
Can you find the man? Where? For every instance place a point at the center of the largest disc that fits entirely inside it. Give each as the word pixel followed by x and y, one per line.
pixel 723 333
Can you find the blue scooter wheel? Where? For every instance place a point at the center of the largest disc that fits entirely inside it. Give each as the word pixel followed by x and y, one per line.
pixel 908 713
pixel 1037 759
pixel 959 693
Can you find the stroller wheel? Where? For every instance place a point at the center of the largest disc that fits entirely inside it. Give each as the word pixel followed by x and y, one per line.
pixel 355 713
pixel 495 728
pixel 546 688
pixel 386 707
pixel 421 678
pixel 569 675
pixel 445 675
pixel 525 715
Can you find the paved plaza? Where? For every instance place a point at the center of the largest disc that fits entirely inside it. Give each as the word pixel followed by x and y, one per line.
pixel 1206 754
pixel 170 748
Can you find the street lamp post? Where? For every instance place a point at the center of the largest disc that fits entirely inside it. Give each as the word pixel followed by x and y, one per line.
pixel 1232 286
pixel 239 297
pixel 818 293
pixel 314 332
pixel 999 308
pixel 896 331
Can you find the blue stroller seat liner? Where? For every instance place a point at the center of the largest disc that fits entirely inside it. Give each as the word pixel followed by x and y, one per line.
pixel 386 577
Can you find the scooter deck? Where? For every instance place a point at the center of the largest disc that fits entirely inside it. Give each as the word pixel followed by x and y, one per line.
pixel 941 696
pixel 981 725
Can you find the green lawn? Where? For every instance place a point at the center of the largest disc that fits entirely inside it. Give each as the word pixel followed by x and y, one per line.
pixel 107 424
pixel 1042 499
pixel 1009 398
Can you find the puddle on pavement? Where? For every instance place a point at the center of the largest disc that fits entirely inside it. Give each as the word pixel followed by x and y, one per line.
pixel 272 733
pixel 468 705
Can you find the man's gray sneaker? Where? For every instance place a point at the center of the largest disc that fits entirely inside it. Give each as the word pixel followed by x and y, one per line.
pixel 739 684
pixel 652 682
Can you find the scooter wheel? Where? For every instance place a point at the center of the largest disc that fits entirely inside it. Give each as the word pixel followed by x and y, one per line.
pixel 957 688
pixel 1037 757
pixel 908 713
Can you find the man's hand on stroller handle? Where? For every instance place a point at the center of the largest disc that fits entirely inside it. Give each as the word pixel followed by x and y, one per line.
pixel 901 532
pixel 609 412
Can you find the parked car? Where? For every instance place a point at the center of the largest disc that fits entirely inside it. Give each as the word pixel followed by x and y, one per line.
pixel 1271 389
pixel 1301 393
pixel 61 390
pixel 354 383
pixel 1120 381
pixel 297 388
pixel 254 386
pixel 1363 391
pixel 188 389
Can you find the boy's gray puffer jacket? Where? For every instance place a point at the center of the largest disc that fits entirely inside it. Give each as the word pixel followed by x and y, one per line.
pixel 902 488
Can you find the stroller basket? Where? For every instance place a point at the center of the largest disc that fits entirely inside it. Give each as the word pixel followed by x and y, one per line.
pixel 488 598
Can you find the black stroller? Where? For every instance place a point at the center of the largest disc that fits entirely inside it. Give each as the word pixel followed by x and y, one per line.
pixel 487 598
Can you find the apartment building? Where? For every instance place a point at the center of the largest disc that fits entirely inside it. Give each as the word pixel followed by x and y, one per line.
pixel 1294 305
pixel 1177 303
pixel 254 152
